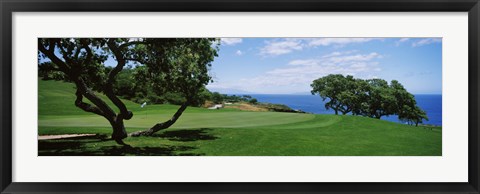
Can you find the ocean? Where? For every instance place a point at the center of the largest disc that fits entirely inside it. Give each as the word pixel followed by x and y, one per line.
pixel 430 103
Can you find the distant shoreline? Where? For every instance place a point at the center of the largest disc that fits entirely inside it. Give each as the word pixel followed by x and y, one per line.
pixel 431 103
pixel 310 94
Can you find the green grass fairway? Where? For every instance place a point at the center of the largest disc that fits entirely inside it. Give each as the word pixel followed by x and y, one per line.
pixel 227 132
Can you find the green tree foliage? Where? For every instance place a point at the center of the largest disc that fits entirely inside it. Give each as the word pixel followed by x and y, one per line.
pixel 170 66
pixel 217 98
pixel 237 98
pixel 406 106
pixel 353 94
pixel 202 96
pixel 132 84
pixel 372 98
pixel 413 115
pixel 380 100
pixel 338 89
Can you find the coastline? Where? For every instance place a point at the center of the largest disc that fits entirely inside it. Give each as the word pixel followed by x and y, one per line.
pixel 432 103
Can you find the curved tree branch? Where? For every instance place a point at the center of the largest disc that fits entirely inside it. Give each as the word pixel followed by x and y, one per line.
pixel 85 106
pixel 108 89
pixel 51 55
pixel 85 46
pixel 77 52
pixel 67 59
pixel 119 131
pixel 160 126
pixel 90 95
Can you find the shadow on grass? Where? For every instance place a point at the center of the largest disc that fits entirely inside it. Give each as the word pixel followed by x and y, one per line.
pixel 87 146
pixel 80 148
pixel 55 147
pixel 187 135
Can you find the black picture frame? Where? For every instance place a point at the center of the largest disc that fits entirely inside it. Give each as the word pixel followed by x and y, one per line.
pixel 10 6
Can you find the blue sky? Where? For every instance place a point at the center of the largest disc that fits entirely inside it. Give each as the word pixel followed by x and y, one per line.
pixel 289 65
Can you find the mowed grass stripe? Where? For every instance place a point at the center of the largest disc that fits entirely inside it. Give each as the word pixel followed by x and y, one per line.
pixel 187 120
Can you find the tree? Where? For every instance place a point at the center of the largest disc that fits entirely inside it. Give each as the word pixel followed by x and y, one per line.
pixel 406 105
pixel 217 98
pixel 203 95
pixel 247 97
pixel 46 73
pixel 178 65
pixel 372 98
pixel 404 100
pixel 124 85
pixel 353 94
pixel 413 115
pixel 360 96
pixel 380 101
pixel 418 116
pixel 335 88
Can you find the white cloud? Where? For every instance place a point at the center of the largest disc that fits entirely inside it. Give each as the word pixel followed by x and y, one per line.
pixel 239 52
pixel 338 63
pixel 338 41
pixel 426 41
pixel 358 57
pixel 305 62
pixel 297 75
pixel 281 47
pixel 402 40
pixel 288 45
pixel 230 41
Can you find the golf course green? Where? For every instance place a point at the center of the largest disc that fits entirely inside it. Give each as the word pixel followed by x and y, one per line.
pixel 225 132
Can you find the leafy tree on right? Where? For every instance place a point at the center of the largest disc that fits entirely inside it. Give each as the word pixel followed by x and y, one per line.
pixel 373 98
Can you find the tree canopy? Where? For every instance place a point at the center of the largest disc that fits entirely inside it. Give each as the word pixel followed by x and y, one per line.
pixel 372 97
pixel 164 65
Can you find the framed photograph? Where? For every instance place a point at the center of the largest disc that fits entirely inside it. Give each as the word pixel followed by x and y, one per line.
pixel 239 96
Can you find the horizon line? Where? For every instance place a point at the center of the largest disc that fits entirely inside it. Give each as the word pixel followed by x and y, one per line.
pixel 301 93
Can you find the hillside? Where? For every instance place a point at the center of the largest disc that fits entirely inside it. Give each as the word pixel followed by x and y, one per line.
pixel 227 132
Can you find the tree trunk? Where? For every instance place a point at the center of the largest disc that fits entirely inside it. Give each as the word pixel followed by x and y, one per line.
pixel 164 125
pixel 119 131
pixel 101 108
pixel 336 111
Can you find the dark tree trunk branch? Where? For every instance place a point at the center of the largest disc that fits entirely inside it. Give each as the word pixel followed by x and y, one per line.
pixel 51 55
pixel 127 44
pixel 164 125
pixel 89 57
pixel 119 131
pixel 77 52
pixel 90 95
pixel 108 89
pixel 64 52
pixel 85 106
pixel 51 45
